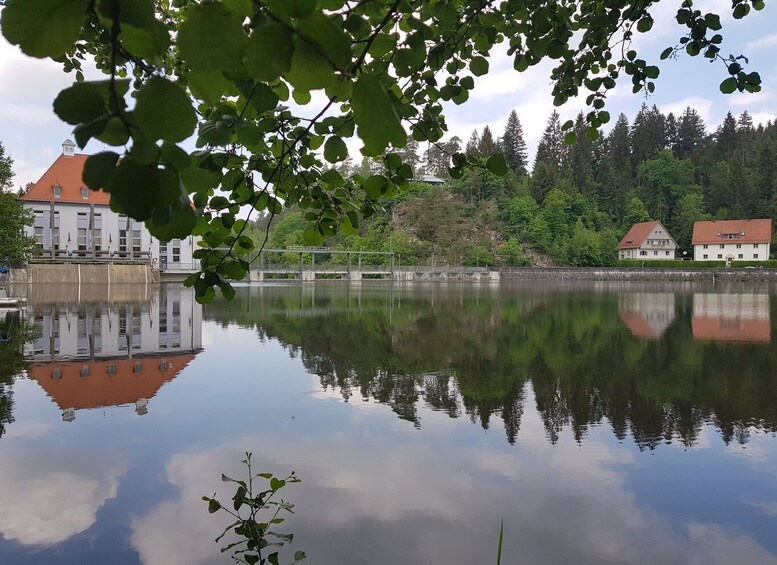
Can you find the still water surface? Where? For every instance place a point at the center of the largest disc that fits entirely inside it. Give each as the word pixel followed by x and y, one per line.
pixel 606 423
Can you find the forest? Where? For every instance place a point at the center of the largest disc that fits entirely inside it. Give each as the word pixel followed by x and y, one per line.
pixel 576 200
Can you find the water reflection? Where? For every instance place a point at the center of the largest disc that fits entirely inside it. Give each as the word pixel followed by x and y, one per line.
pixel 112 352
pixel 629 359
pixel 731 317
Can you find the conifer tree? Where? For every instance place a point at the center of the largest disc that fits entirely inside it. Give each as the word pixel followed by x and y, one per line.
pixel 550 161
pixel 514 145
pixel 691 133
pixel 619 150
pixel 473 144
pixel 647 134
pixel 487 146
pixel 726 137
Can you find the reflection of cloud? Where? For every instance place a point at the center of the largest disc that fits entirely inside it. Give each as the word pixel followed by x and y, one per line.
pixel 357 498
pixel 48 498
pixel 28 430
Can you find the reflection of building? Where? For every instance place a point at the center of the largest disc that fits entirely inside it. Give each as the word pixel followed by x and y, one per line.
pixel 731 317
pixel 92 355
pixel 73 222
pixel 647 240
pixel 732 240
pixel 647 314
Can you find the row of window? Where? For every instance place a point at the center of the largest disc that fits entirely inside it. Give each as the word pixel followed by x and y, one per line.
pixel 57 191
pixel 739 256
pixel 655 253
pixel 723 246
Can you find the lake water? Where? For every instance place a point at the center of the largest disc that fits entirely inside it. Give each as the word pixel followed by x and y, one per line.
pixel 602 422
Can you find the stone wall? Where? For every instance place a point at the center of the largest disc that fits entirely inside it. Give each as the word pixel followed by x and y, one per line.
pixel 78 273
pixel 637 274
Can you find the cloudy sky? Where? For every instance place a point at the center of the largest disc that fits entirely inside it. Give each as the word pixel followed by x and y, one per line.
pixel 32 134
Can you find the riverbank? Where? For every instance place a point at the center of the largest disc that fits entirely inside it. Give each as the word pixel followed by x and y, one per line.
pixel 637 274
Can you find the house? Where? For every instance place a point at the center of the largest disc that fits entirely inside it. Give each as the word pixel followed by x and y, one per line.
pixel 731 317
pixel 431 179
pixel 647 241
pixel 732 240
pixel 73 222
pixel 647 315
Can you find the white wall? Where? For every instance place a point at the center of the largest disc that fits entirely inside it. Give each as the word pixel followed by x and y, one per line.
pixel 720 251
pixel 68 225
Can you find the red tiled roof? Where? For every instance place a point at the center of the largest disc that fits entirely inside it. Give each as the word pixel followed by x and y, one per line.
pixel 99 388
pixel 637 325
pixel 755 231
pixel 65 172
pixel 637 234
pixel 727 329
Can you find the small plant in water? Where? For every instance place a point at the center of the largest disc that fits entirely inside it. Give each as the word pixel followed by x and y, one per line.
pixel 263 514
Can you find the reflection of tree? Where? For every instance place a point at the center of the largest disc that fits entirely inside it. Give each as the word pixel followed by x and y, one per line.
pixel 476 357
pixel 13 335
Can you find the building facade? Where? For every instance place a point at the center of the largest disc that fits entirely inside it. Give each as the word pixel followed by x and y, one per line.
pixel 647 241
pixel 73 222
pixel 732 240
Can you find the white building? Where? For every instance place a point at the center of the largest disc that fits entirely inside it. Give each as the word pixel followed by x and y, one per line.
pixel 73 222
pixel 732 240
pixel 647 241
pixel 102 354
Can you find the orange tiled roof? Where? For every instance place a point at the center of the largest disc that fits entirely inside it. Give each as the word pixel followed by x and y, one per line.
pixel 99 388
pixel 637 234
pixel 755 231
pixel 727 329
pixel 65 172
pixel 637 325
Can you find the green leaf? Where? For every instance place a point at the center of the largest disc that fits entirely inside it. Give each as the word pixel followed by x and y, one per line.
pixel 163 111
pixel 137 189
pixel 375 116
pixel 666 52
pixel 213 505
pixel 570 138
pixel 99 169
pixel 292 8
pixel 329 37
pixel 309 71
pixel 644 24
pixel 497 165
pixel 335 149
pixel 268 52
pixel 209 86
pixel 82 102
pixel 478 66
pixel 728 86
pixel 312 236
pixel 44 28
pixel 211 38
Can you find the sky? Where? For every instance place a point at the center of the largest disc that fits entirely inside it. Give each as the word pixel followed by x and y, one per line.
pixel 32 134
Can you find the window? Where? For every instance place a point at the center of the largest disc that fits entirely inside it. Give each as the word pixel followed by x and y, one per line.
pixel 38 236
pixel 722 245
pixel 739 246
pixel 82 239
pixel 643 252
pixel 84 193
pixel 136 241
pixel 755 246
pixel 176 251
pixel 740 256
pixel 655 253
pixel 705 246
pixel 704 256
pixel 755 255
pixel 667 252
pixel 57 190
pixel 720 256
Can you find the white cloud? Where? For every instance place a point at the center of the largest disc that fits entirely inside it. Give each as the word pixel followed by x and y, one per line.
pixel 763 117
pixel 49 498
pixel 702 105
pixel 765 42
pixel 748 99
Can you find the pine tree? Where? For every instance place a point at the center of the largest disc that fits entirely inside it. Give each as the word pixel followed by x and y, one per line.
pixel 580 159
pixel 409 154
pixel 487 146
pixel 691 133
pixel 514 145
pixel 549 164
pixel 619 150
pixel 473 145
pixel 670 132
pixel 726 137
pixel 648 135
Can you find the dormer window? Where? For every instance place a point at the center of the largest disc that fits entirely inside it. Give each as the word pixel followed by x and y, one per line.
pixel 57 190
pixel 84 193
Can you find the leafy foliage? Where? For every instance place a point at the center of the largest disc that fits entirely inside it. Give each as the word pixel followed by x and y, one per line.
pixel 15 246
pixel 255 530
pixel 225 71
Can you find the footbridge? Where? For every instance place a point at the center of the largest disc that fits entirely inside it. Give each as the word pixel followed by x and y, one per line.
pixel 301 263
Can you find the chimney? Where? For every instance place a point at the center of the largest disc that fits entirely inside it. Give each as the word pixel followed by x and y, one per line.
pixel 68 148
